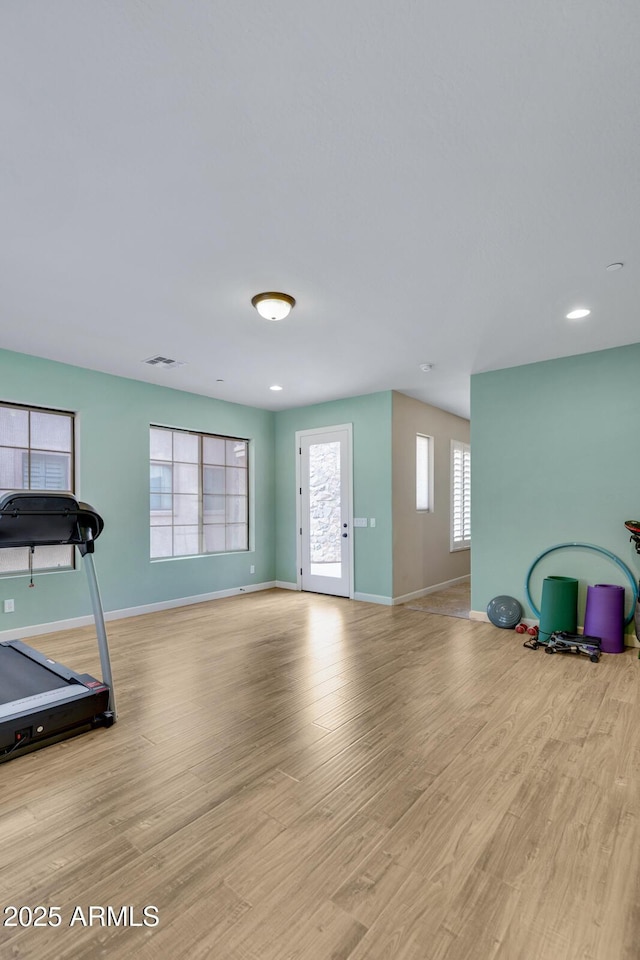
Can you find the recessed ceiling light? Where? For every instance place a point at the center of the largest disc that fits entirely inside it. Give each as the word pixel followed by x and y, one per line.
pixel 426 367
pixel 273 306
pixel 275 387
pixel 578 314
pixel 615 266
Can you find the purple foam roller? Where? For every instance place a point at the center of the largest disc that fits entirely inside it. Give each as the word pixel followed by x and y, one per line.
pixel 604 616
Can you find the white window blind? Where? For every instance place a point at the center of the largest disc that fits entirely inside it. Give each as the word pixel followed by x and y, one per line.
pixel 424 472
pixel 460 495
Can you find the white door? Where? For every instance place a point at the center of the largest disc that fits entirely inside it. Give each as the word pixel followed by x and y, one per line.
pixel 325 541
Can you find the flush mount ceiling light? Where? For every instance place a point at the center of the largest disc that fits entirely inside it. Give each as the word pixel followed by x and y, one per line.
pixel 426 367
pixel 273 306
pixel 578 314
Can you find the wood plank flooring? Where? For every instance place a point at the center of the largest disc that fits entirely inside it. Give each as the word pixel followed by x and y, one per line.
pixel 453 601
pixel 300 777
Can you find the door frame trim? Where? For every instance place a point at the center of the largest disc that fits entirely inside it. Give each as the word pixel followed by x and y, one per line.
pixel 298 438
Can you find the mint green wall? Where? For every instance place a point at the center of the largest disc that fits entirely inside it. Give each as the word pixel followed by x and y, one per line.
pixel 371 419
pixel 555 458
pixel 113 437
pixel 113 417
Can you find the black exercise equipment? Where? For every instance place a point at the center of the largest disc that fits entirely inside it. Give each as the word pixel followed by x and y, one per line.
pixel 42 701
pixel 633 526
pixel 561 641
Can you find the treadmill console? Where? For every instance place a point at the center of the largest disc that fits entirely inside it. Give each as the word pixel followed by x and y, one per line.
pixel 32 518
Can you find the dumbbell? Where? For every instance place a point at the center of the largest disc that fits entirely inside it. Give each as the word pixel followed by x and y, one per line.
pixel 523 628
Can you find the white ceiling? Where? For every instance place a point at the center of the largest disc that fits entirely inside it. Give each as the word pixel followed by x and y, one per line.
pixel 432 181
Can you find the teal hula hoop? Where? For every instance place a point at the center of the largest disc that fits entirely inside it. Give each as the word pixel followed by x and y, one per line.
pixel 587 546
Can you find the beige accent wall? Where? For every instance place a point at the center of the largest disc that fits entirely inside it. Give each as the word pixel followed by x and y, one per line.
pixel 421 552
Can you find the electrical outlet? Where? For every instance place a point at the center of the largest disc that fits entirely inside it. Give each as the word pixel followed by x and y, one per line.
pixel 372 522
pixel 9 606
pixel 252 569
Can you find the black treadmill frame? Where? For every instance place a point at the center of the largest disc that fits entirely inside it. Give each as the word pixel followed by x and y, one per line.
pixel 46 717
pixel 52 715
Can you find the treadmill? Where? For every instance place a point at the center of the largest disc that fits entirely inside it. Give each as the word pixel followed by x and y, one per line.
pixel 42 701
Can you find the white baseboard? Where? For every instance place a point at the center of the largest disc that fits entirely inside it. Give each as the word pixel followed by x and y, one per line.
pixel 482 616
pixel 365 597
pixel 417 594
pixel 374 598
pixel 36 629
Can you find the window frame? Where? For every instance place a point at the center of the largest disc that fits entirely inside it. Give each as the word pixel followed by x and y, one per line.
pixel 463 502
pixel 429 508
pixel 35 569
pixel 201 495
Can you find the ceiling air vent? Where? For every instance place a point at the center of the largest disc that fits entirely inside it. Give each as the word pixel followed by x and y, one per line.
pixel 165 362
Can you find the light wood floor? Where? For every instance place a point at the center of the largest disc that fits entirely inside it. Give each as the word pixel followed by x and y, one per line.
pixel 453 601
pixel 299 777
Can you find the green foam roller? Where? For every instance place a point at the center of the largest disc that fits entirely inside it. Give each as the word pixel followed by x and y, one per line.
pixel 559 607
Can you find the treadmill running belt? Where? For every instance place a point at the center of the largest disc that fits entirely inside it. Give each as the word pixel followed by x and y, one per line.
pixel 21 677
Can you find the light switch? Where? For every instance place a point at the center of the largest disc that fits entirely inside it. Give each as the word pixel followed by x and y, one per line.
pixel 359 521
pixel 372 522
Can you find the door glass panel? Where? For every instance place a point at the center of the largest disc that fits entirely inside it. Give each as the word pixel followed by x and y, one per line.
pixel 324 509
